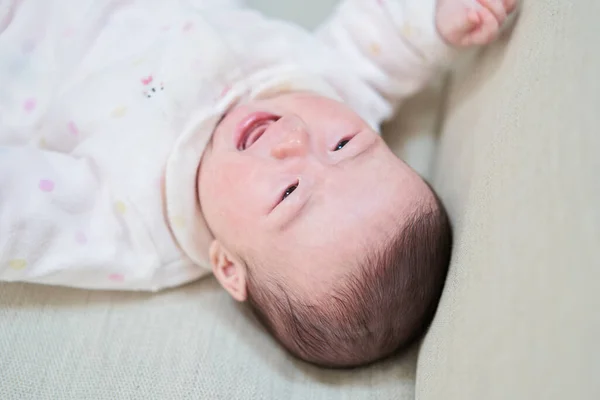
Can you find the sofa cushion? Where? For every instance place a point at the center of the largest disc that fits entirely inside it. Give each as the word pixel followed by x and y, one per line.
pixel 518 169
pixel 188 343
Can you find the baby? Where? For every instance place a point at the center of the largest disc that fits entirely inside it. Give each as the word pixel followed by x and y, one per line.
pixel 144 144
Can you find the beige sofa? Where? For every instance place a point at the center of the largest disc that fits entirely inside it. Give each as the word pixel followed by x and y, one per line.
pixel 517 165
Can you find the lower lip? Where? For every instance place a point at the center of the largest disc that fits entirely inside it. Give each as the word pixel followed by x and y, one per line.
pixel 247 123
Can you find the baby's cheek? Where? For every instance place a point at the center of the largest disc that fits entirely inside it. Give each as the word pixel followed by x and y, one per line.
pixel 231 185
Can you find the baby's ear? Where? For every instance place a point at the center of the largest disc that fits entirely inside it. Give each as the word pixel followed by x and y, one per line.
pixel 230 272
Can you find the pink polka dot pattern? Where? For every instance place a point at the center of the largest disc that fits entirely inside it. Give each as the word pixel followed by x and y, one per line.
pixel 147 80
pixel 73 128
pixel 188 26
pixel 46 185
pixel 81 238
pixel 116 277
pixel 29 104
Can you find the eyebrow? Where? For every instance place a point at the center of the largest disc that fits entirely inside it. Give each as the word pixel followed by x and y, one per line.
pixel 304 207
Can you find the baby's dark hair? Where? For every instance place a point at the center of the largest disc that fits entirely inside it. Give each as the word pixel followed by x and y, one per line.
pixel 376 311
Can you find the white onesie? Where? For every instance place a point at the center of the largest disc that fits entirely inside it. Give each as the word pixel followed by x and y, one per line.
pixel 106 107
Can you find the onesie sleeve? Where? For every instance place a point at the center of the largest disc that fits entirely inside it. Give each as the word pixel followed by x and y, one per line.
pixel 61 224
pixel 393 45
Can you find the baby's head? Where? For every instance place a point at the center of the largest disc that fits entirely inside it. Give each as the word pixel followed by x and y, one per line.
pixel 339 247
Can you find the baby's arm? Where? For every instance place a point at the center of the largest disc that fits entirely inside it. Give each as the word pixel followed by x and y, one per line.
pixel 61 224
pixel 397 46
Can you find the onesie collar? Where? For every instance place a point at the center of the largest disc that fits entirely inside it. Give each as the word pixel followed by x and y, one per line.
pixel 183 208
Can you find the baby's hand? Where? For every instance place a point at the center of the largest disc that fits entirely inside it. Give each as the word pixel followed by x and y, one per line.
pixel 472 22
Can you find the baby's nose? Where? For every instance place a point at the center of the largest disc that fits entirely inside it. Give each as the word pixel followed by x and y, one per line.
pixel 292 139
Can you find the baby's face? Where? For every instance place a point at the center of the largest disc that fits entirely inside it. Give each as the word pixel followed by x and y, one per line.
pixel 298 183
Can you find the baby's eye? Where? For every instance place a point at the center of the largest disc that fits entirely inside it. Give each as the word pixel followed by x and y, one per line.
pixel 341 144
pixel 289 191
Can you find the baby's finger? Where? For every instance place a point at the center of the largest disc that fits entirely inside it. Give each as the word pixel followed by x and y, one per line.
pixel 455 27
pixel 474 20
pixel 486 32
pixel 510 6
pixel 497 7
pixel 472 23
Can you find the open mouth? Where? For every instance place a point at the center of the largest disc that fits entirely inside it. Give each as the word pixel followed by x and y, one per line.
pixel 251 129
